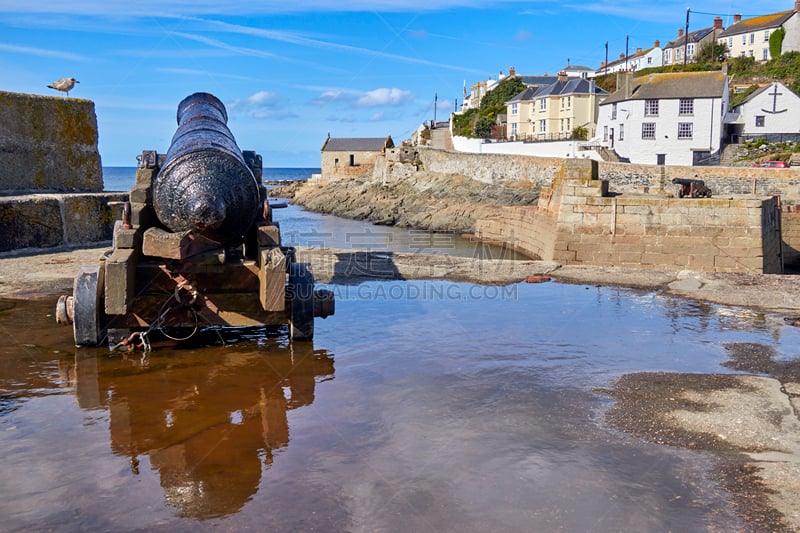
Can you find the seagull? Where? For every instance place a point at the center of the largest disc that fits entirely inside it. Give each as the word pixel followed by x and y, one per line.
pixel 64 84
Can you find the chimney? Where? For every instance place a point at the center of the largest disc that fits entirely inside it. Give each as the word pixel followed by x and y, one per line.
pixel 737 18
pixel 511 72
pixel 797 5
pixel 718 22
pixel 621 55
pixel 562 76
pixel 625 82
pixel 638 50
pixel 680 33
pixel 656 44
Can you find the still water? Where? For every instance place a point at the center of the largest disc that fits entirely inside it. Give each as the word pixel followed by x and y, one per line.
pixel 420 406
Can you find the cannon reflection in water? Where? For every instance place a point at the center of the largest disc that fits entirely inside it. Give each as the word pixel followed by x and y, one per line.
pixel 210 426
pixel 196 246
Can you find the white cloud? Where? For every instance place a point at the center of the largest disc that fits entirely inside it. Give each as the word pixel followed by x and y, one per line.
pixel 260 105
pixel 385 97
pixel 42 52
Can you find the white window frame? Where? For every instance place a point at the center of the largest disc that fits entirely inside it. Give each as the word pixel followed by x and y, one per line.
pixel 685 130
pixel 543 126
pixel 542 104
pixel 766 36
pixel 621 132
pixel 651 107
pixel 686 107
pixel 648 130
pixel 514 109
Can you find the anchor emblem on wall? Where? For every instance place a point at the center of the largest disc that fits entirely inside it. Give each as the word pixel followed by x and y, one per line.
pixel 774 95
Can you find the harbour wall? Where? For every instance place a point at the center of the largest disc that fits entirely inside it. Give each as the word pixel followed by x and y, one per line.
pixel 577 221
pixel 51 178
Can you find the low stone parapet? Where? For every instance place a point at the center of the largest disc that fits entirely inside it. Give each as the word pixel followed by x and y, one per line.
pixel 50 220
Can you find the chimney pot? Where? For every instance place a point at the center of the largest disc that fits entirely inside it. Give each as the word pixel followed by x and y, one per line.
pixel 562 76
pixel 680 32
pixel 511 71
pixel 717 23
pixel 657 44
pixel 737 18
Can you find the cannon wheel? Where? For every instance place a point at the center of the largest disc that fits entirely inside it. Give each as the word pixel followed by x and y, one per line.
pixel 301 297
pixel 86 322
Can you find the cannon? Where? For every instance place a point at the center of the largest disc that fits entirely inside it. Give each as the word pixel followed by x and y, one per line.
pixel 196 247
pixel 692 187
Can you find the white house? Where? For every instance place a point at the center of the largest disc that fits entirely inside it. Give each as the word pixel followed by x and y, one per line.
pixel 772 113
pixel 750 37
pixel 651 57
pixel 665 119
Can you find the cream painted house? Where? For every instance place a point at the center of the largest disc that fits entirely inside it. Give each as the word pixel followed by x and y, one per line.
pixel 649 58
pixel 553 111
pixel 750 37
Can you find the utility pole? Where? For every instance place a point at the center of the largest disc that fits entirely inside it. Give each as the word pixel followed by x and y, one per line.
pixel 435 104
pixel 606 72
pixel 626 52
pixel 686 38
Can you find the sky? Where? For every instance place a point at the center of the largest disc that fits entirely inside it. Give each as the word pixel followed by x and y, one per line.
pixel 290 72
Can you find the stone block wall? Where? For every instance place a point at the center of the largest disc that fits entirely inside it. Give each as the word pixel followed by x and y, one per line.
pixel 47 220
pixel 577 222
pixel 48 144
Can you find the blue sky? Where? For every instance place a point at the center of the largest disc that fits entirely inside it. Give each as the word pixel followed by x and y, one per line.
pixel 292 71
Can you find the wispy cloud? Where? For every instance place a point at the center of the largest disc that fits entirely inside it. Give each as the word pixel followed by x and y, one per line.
pixel 203 73
pixel 42 52
pixel 262 105
pixel 385 97
pixel 303 40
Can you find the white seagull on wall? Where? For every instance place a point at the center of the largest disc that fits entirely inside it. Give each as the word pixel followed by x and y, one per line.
pixel 64 85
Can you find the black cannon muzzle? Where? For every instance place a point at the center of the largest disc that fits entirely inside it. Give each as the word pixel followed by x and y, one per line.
pixel 205 184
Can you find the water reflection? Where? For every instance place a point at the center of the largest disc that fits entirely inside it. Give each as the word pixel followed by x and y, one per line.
pixel 207 423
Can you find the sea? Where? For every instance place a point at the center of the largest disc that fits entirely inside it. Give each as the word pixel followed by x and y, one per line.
pixel 123 178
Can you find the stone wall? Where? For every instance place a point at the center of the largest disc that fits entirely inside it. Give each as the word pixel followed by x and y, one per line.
pixel 48 144
pixel 578 222
pixel 46 220
pixel 336 165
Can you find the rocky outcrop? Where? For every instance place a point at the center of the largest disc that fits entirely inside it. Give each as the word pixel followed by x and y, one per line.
pixel 423 200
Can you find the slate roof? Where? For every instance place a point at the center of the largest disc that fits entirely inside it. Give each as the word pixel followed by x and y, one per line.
pixel 537 81
pixel 570 86
pixel 357 144
pixel 673 85
pixel 764 22
pixel 694 37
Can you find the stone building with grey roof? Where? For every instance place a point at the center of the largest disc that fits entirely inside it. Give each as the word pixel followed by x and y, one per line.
pixel 685 46
pixel 750 37
pixel 352 156
pixel 666 119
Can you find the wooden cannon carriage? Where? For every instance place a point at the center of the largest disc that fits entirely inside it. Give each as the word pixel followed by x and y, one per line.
pixel 196 247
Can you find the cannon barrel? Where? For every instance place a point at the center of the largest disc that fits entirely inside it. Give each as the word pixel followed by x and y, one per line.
pixel 205 184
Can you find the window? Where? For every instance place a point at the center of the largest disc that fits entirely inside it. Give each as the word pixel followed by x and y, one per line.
pixel 542 104
pixel 622 132
pixel 667 56
pixel 730 43
pixel 759 121
pixel 649 60
pixel 744 38
pixel 684 130
pixel 605 133
pixel 766 36
pixel 751 53
pixel 613 111
pixel 569 102
pixel 651 108
pixel 690 50
pixel 514 109
pixel 752 38
pixel 765 54
pixel 513 129
pixel 686 106
pixel 648 130
pixel 542 126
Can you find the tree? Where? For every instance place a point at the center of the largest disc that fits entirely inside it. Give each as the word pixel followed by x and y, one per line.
pixel 711 52
pixel 776 42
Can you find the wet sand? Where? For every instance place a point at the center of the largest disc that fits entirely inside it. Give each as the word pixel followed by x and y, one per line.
pixel 751 420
